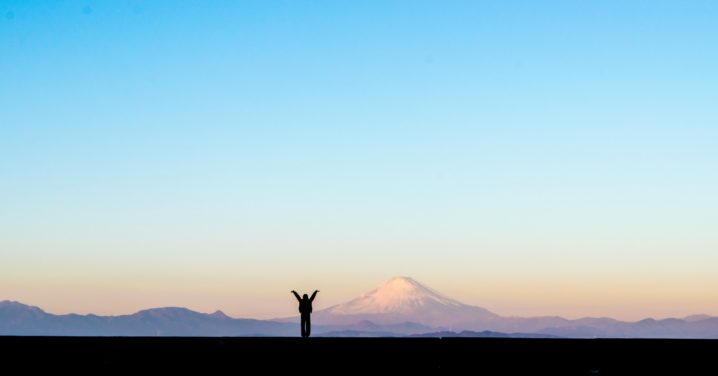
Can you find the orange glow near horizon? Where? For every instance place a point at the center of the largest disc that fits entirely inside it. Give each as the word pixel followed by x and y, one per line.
pixel 570 299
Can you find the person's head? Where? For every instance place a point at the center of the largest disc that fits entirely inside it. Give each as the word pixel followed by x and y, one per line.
pixel 305 296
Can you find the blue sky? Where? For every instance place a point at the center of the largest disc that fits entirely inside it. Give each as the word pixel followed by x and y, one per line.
pixel 192 153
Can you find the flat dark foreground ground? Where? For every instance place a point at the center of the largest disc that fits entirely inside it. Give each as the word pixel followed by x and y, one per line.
pixel 341 356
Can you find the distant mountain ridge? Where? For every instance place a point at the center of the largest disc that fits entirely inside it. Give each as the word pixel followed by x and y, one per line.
pixel 400 306
pixel 402 299
pixel 20 319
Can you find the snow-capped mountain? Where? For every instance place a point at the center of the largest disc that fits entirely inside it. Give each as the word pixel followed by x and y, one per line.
pixel 402 299
pixel 397 295
pixel 401 306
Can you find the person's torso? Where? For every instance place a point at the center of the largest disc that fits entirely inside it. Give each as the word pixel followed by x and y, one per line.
pixel 305 306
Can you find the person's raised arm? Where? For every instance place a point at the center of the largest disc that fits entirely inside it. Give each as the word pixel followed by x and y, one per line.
pixel 299 298
pixel 313 295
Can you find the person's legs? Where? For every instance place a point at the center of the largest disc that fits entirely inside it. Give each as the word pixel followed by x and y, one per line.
pixel 304 325
pixel 309 325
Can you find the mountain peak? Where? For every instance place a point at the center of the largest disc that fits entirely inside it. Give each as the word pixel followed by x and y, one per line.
pixel 396 295
pixel 12 304
pixel 219 315
pixel 694 318
pixel 166 312
pixel 403 299
pixel 405 283
pixel 11 308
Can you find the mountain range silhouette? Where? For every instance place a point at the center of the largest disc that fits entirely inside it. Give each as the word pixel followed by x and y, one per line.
pixel 400 306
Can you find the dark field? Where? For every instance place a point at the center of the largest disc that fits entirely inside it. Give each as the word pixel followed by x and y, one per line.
pixel 348 355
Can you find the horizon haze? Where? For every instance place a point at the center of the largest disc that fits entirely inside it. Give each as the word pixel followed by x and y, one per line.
pixel 530 158
pixel 399 307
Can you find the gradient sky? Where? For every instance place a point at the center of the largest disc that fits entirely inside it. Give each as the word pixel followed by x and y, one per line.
pixel 552 157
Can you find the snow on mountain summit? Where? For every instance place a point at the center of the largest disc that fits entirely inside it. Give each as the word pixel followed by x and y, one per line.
pixel 401 295
pixel 404 300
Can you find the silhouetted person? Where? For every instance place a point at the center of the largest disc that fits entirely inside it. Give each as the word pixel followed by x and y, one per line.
pixel 305 309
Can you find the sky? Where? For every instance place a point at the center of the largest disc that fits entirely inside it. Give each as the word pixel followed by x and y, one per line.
pixel 532 158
